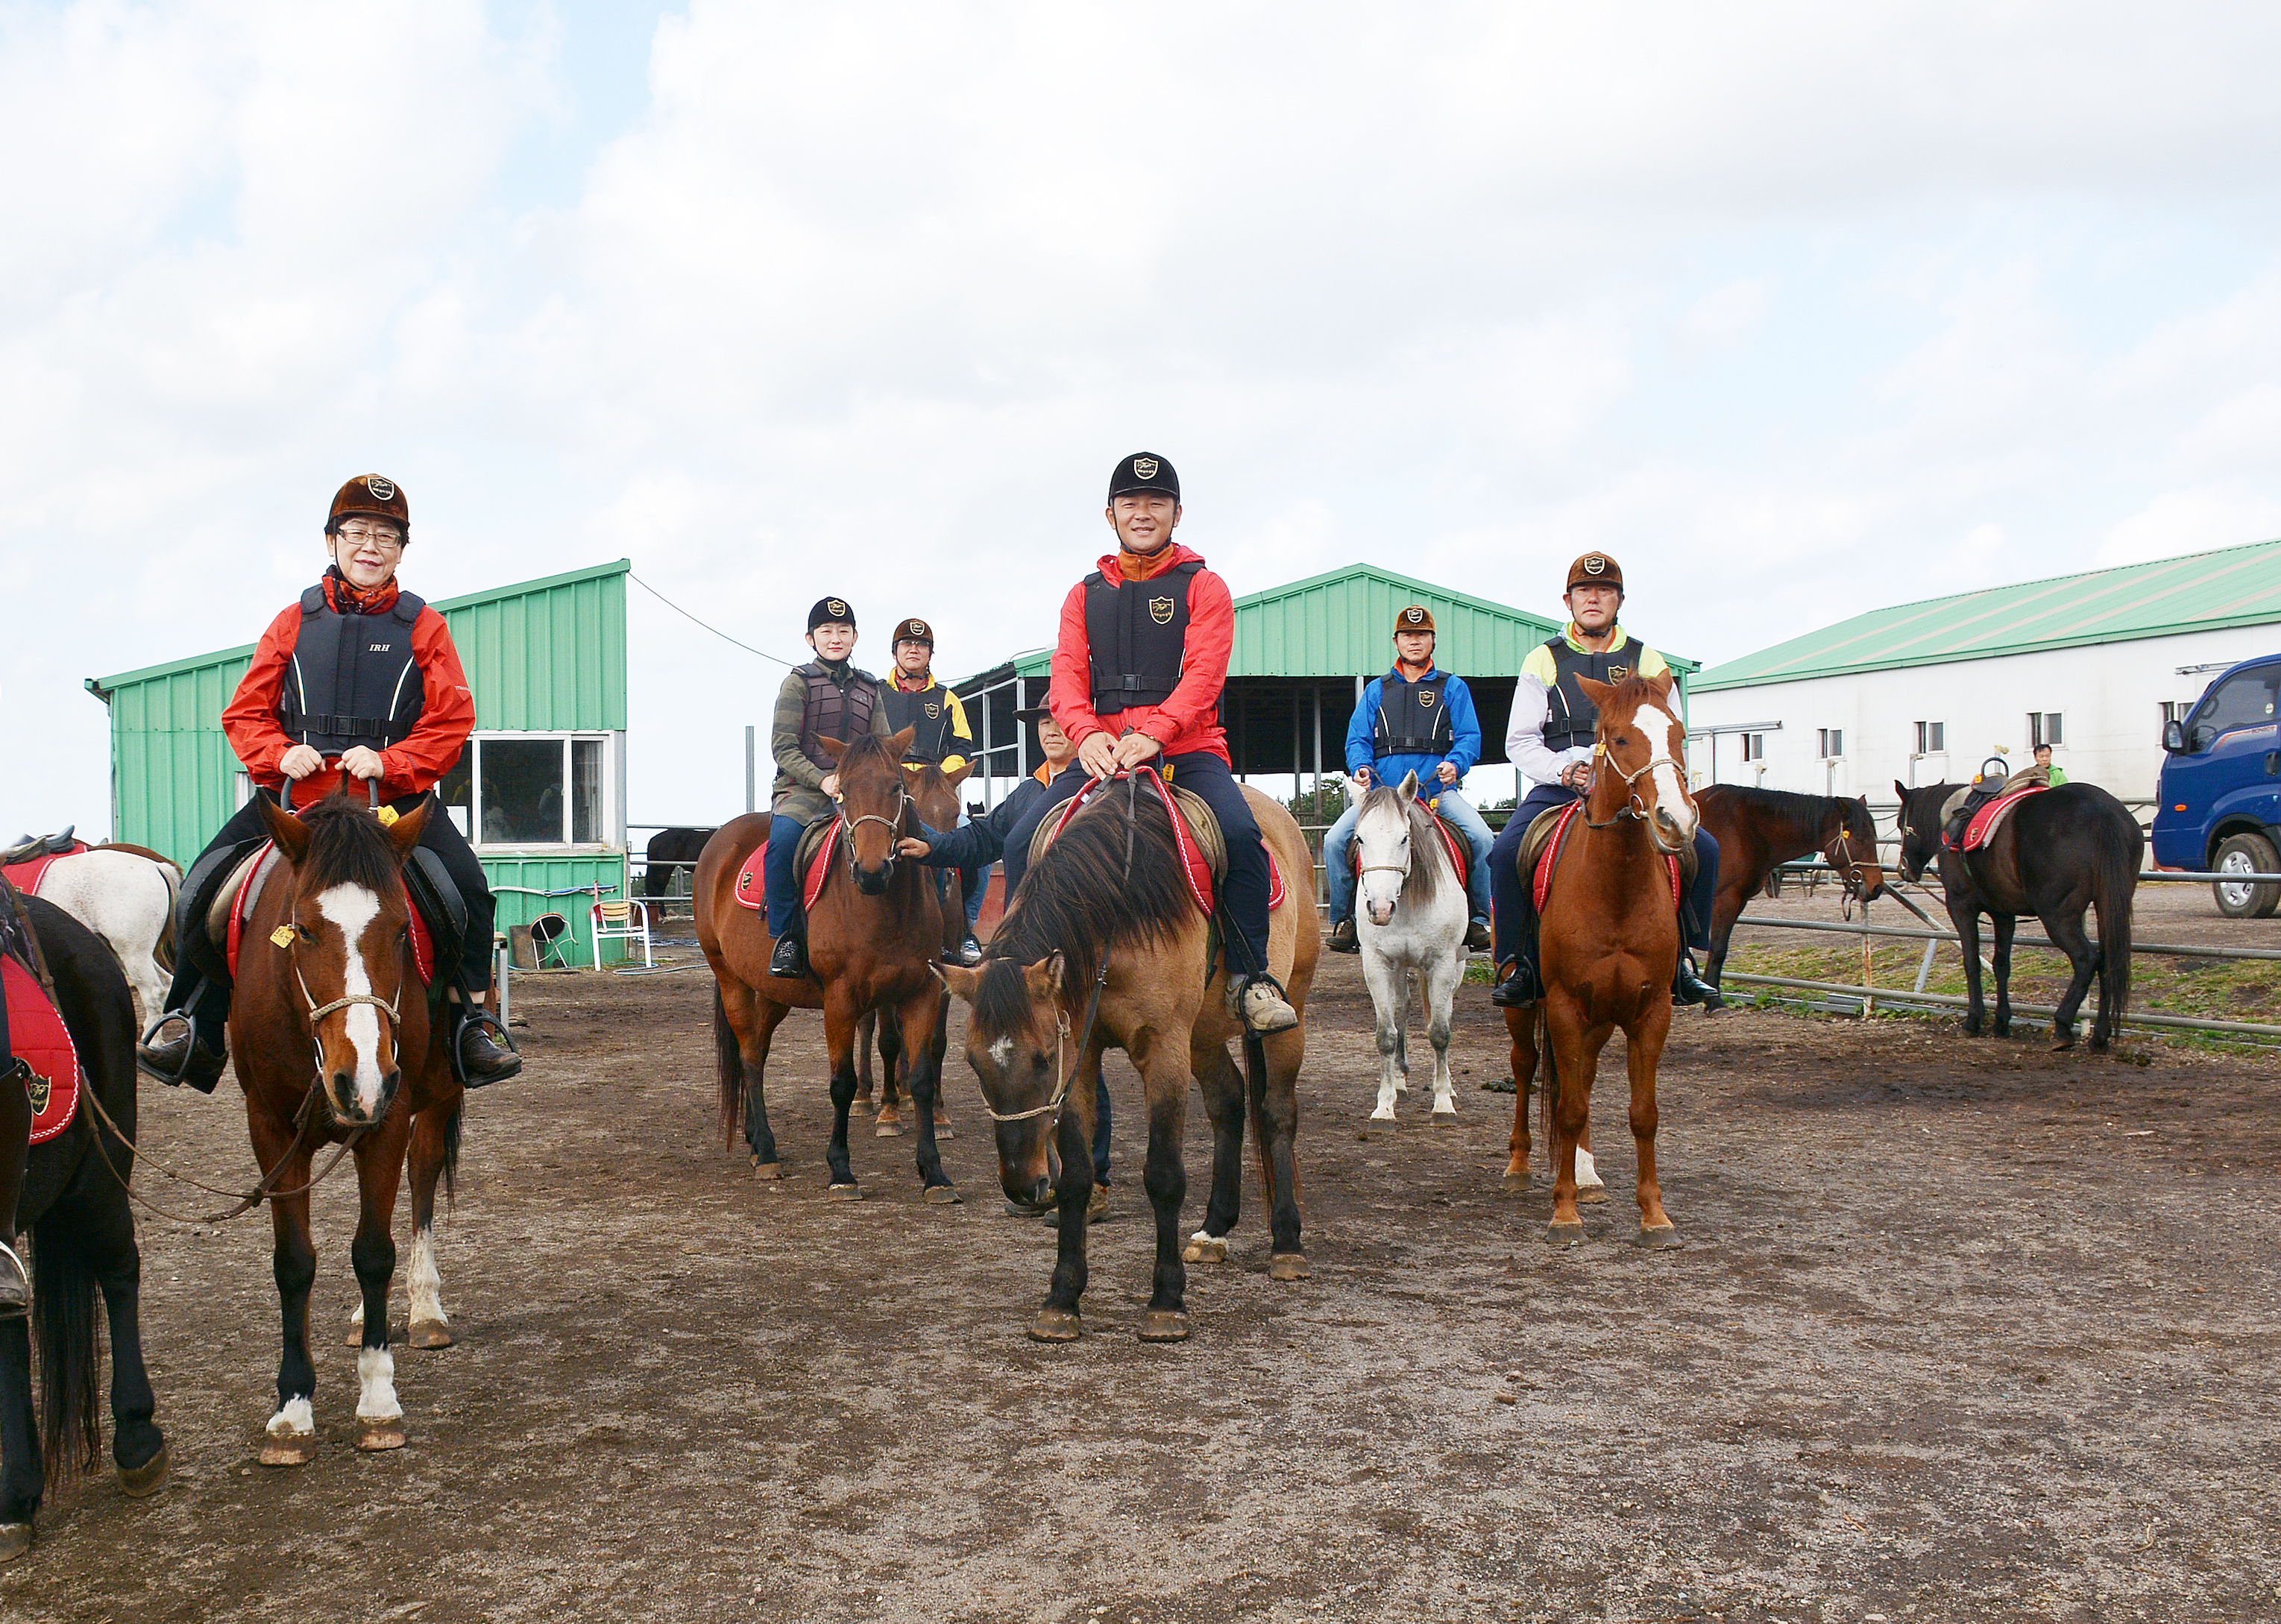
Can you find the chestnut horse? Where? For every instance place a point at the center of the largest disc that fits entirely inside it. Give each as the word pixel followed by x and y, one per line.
pixel 1104 921
pixel 934 793
pixel 329 967
pixel 1610 941
pixel 1759 830
pixel 872 938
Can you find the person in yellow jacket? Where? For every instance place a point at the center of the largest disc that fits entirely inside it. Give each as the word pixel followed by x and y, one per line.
pixel 940 736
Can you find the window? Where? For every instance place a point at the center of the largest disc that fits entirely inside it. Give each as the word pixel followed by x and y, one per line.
pixel 2247 701
pixel 529 789
pixel 2176 710
pixel 1932 738
pixel 1754 747
pixel 2043 728
pixel 1833 743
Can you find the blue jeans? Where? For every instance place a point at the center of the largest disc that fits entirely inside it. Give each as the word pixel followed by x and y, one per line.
pixel 782 884
pixel 1516 906
pixel 1455 810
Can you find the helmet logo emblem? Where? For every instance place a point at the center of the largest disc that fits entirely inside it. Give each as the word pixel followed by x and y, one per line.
pixel 836 607
pixel 1160 610
pixel 918 629
pixel 1595 565
pixel 1413 615
pixel 1144 467
pixel 385 490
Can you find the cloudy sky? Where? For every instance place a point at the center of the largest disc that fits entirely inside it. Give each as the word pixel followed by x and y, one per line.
pixel 1796 309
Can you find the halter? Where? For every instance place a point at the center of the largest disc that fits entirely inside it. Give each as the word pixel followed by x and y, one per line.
pixel 1388 867
pixel 1634 808
pixel 892 825
pixel 318 1011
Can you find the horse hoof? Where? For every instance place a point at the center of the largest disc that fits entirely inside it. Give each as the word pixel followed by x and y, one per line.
pixel 2059 1046
pixel 15 1540
pixel 355 1337
pixel 1384 1113
pixel 844 1192
pixel 379 1433
pixel 766 1172
pixel 1446 1109
pixel 289 1449
pixel 1289 1266
pixel 1162 1325
pixel 887 1130
pixel 943 1196
pixel 430 1333
pixel 141 1483
pixel 1590 1195
pixel 1659 1236
pixel 1054 1325
pixel 1205 1249
pixel 1564 1234
pixel 1519 1184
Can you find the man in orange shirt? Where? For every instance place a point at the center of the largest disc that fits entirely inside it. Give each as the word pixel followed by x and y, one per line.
pixel 356 682
pixel 1138 671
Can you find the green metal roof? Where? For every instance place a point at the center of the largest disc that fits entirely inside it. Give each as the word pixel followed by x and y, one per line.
pixel 2202 592
pixel 1339 623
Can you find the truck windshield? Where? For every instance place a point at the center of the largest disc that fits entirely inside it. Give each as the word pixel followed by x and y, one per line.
pixel 2246 700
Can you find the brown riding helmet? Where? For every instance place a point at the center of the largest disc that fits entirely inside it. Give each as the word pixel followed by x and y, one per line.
pixel 1417 618
pixel 1595 569
pixel 914 630
pixel 370 496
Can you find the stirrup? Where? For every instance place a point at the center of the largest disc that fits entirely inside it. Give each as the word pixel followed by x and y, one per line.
pixel 1519 990
pixel 474 1019
pixel 15 1285
pixel 1242 998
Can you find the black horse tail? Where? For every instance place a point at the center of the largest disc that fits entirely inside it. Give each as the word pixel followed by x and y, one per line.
pixel 452 1152
pixel 66 1329
pixel 728 1070
pixel 2113 884
pixel 1254 1104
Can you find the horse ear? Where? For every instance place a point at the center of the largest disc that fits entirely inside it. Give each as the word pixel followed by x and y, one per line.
pixel 962 982
pixel 291 833
pixel 1661 682
pixel 1599 694
pixel 965 770
pixel 833 747
pixel 1409 785
pixel 1902 790
pixel 1045 976
pixel 404 833
pixel 901 742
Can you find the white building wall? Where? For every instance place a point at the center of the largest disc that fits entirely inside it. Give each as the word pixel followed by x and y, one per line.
pixel 2110 695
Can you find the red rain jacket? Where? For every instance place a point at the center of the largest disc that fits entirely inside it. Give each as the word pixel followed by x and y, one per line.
pixel 1187 721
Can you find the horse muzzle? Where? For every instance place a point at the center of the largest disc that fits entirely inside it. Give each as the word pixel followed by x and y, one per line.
pixel 340 1098
pixel 873 881
pixel 1671 837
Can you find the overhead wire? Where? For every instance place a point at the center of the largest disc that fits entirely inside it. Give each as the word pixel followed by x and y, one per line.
pixel 715 631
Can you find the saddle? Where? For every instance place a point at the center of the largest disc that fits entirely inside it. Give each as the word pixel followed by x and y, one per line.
pixel 1978 825
pixel 1196 834
pixel 26 863
pixel 1970 816
pixel 48 1059
pixel 1541 853
pixel 234 902
pixel 811 859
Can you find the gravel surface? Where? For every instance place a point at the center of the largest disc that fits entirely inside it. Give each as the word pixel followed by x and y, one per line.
pixel 1958 1330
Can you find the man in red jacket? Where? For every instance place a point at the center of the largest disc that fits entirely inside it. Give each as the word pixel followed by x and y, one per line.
pixel 356 681
pixel 1138 671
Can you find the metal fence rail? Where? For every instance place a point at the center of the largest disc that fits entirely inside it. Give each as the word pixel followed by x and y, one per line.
pixel 1871 995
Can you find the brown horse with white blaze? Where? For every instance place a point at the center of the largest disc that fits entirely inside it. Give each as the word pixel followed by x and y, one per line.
pixel 328 966
pixel 1609 939
pixel 872 940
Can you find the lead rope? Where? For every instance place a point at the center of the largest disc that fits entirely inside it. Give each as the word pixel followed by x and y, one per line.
pixel 252 1198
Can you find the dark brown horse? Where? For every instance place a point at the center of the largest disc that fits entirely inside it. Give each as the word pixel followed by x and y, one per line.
pixel 1758 830
pixel 872 939
pixel 328 966
pixel 934 793
pixel 2054 854
pixel 1610 941
pixel 75 1208
pixel 1105 907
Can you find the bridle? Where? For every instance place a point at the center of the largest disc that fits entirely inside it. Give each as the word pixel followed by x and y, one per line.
pixel 318 1011
pixel 892 825
pixel 1633 806
pixel 1402 867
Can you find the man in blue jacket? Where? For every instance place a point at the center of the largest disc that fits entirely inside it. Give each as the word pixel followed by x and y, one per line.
pixel 1416 719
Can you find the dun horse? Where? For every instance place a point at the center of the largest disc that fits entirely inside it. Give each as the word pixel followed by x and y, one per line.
pixel 329 963
pixel 75 1206
pixel 872 939
pixel 1409 921
pixel 2055 854
pixel 1104 912
pixel 1609 942
pixel 1759 830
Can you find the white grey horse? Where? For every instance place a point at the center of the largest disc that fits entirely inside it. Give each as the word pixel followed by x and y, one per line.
pixel 1410 918
pixel 126 897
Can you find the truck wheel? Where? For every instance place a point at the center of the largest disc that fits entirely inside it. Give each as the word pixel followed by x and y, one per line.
pixel 2246 854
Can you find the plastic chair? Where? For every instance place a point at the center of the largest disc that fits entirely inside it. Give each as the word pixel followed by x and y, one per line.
pixel 614 920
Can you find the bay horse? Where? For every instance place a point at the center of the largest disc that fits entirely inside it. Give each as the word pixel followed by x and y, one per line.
pixel 934 794
pixel 75 1206
pixel 2054 854
pixel 872 939
pixel 1410 922
pixel 1609 942
pixel 1104 918
pixel 330 967
pixel 1759 830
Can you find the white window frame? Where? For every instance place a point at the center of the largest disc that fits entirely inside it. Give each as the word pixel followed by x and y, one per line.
pixel 1932 738
pixel 1828 736
pixel 610 812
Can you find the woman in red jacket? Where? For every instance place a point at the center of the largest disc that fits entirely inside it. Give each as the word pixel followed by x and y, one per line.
pixel 357 681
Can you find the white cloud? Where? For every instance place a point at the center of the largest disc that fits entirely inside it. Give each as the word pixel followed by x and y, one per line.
pixel 2193 520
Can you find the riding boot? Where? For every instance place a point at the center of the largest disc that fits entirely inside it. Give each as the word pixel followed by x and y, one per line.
pixel 1343 937
pixel 1686 987
pixel 196 1048
pixel 789 962
pixel 1477 936
pixel 1524 986
pixel 480 1044
pixel 1260 1002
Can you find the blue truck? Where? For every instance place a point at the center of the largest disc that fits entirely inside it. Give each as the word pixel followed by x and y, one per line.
pixel 2220 807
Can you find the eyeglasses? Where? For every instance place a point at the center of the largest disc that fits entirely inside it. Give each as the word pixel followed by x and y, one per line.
pixel 357 535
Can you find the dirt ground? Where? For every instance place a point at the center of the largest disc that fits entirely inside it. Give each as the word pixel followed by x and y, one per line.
pixel 1959 1330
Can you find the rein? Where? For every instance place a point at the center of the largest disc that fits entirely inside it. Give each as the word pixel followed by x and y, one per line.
pixel 251 1199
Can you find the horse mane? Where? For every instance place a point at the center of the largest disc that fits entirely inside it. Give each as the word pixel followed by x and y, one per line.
pixel 1803 815
pixel 863 748
pixel 1424 881
pixel 1641 692
pixel 1077 900
pixel 347 846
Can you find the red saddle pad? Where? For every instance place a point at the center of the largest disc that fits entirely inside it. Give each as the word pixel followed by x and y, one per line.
pixel 423 944
pixel 1985 823
pixel 26 877
pixel 38 1036
pixel 1193 869
pixel 1551 857
pixel 752 889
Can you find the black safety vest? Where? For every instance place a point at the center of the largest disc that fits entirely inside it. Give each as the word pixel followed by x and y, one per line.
pixel 834 712
pixel 1570 718
pixel 1136 635
pixel 353 680
pixel 1412 719
pixel 926 713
